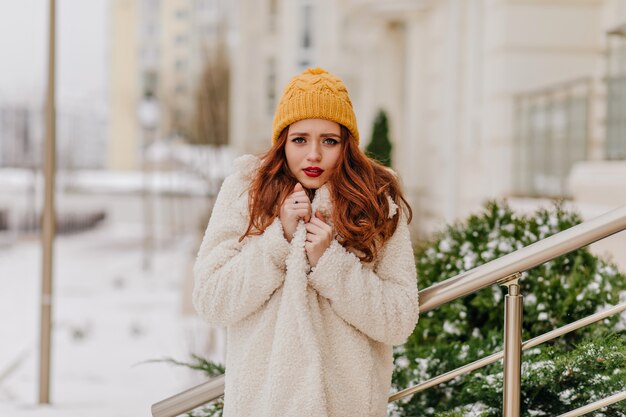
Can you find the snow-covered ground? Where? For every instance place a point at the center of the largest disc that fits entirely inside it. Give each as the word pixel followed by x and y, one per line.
pixel 109 316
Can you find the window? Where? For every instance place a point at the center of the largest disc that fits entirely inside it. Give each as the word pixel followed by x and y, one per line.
pixel 273 15
pixel 616 95
pixel 551 134
pixel 180 64
pixel 306 37
pixel 150 83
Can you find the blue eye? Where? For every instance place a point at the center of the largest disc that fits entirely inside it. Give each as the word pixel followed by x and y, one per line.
pixel 330 141
pixel 298 140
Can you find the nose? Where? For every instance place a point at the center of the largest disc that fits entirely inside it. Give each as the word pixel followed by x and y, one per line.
pixel 314 152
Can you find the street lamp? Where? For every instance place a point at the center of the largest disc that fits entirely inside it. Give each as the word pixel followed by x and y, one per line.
pixel 148 113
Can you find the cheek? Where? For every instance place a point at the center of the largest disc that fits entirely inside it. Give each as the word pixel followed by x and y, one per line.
pixel 334 156
pixel 292 156
pixel 289 154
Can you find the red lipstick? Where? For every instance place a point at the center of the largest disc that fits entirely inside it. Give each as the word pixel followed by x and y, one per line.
pixel 313 171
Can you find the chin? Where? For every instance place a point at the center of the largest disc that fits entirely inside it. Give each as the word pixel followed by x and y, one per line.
pixel 312 183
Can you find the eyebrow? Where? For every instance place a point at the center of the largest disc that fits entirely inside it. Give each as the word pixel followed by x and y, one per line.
pixel 323 134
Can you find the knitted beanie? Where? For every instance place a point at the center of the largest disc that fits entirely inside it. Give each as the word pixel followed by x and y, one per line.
pixel 314 94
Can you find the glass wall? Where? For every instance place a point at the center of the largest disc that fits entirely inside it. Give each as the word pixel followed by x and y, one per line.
pixel 616 95
pixel 551 134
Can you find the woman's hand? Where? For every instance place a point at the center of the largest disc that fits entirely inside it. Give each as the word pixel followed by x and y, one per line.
pixel 295 207
pixel 318 238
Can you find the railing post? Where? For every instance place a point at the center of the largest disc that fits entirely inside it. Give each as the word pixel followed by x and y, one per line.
pixel 512 346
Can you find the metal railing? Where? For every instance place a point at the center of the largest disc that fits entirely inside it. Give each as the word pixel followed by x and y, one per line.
pixel 505 270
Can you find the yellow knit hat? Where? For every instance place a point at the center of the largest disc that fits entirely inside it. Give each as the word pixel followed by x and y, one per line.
pixel 314 94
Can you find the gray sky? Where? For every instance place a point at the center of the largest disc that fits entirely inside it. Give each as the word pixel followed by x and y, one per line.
pixel 82 53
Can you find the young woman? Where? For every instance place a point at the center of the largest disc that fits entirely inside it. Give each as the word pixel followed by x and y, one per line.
pixel 307 260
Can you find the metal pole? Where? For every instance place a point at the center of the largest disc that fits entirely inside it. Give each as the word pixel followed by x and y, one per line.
pixel 147 114
pixel 48 221
pixel 147 208
pixel 512 349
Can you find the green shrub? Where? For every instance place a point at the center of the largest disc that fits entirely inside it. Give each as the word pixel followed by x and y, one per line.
pixel 556 293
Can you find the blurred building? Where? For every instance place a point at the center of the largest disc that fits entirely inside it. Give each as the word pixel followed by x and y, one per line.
pixel 486 98
pixel 81 136
pixel 159 49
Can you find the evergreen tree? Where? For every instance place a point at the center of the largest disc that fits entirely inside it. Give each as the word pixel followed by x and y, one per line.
pixel 379 147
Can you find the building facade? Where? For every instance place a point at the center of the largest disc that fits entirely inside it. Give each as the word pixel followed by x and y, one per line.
pixel 158 51
pixel 486 98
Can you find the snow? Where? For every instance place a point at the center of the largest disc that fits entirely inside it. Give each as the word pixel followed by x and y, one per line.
pixel 505 246
pixel 567 395
pixel 469 261
pixel 451 328
pixel 464 351
pixel 445 245
pixel 593 287
pixel 194 170
pixel 109 316
pixel 402 362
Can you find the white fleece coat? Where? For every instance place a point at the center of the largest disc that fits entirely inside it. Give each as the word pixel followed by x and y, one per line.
pixel 300 343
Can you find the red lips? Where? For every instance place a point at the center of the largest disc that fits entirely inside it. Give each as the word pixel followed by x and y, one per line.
pixel 313 171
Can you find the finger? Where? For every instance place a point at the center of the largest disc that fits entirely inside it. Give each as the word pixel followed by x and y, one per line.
pixel 301 213
pixel 313 228
pixel 298 187
pixel 293 198
pixel 319 216
pixel 316 220
pixel 324 232
pixel 313 239
pixel 298 200
pixel 299 194
pixel 306 206
pixel 300 208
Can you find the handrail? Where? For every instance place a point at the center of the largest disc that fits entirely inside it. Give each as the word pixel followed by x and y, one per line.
pixel 581 411
pixel 494 357
pixel 461 285
pixel 191 398
pixel 523 259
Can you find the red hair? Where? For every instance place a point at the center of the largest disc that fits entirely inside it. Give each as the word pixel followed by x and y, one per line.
pixel 360 210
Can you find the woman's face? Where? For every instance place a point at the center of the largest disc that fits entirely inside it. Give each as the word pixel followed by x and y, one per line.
pixel 313 149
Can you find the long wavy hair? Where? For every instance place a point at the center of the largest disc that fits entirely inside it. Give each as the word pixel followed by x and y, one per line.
pixel 358 187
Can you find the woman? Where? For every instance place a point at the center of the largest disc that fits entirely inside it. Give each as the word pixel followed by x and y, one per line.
pixel 307 260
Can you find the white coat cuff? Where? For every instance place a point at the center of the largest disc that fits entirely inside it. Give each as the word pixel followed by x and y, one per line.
pixel 326 273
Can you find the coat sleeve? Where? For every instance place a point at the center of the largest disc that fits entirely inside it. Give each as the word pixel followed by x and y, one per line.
pixel 234 279
pixel 382 303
